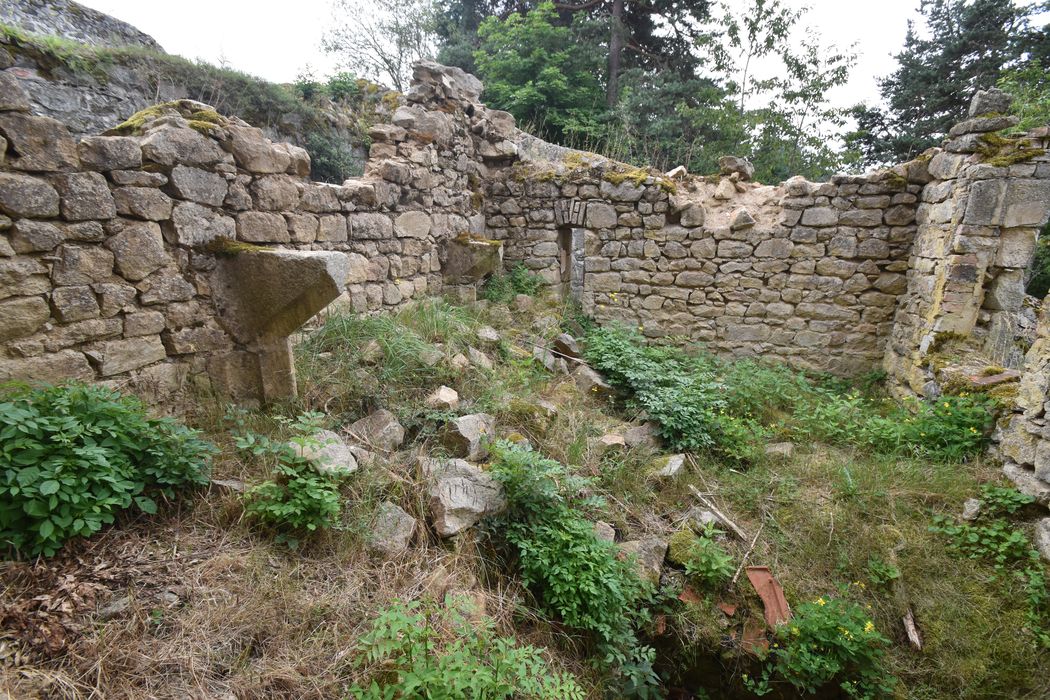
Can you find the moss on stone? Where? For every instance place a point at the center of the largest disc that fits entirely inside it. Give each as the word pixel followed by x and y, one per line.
pixel 133 125
pixel 617 177
pixel 226 248
pixel 1003 151
pixel 680 545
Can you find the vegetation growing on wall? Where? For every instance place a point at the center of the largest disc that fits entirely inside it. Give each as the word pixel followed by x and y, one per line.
pixel 309 121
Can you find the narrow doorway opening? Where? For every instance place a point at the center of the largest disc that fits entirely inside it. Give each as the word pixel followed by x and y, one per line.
pixel 570 262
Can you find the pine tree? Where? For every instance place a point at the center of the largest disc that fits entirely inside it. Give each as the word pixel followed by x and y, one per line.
pixel 969 45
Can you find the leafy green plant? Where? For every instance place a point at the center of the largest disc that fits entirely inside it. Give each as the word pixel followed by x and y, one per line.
pixel 993 539
pixel 74 456
pixel 331 160
pixel 573 574
pixel 682 394
pixel 706 562
pixel 881 573
pixel 344 86
pixel 423 651
pixel 298 499
pixel 503 288
pixel 827 641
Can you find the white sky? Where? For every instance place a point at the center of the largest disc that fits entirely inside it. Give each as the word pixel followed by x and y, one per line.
pixel 277 40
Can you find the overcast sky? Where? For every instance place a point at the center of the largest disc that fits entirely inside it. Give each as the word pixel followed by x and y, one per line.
pixel 278 40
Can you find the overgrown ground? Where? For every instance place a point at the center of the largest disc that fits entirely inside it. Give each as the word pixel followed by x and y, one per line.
pixel 199 601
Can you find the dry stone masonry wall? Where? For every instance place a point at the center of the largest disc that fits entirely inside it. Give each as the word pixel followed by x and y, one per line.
pixel 183 248
pixel 804 272
pixel 186 246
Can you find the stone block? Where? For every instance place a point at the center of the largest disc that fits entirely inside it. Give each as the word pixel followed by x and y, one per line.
pixel 107 153
pixel 302 228
pixel 37 144
pixel 985 205
pixel 142 203
pixel 460 496
pixel 85 196
pixel 255 153
pixel 26 196
pixel 82 265
pixel 197 185
pixel 51 368
pixel 370 226
pixel 1016 247
pixel 195 225
pixel 22 316
pixel 120 356
pixel 600 216
pixel 28 236
pixel 412 224
pixel 74 303
pixel 181 145
pixel 138 250
pixel 1027 203
pixel 332 229
pixel 262 227
pixel 820 216
pixel 275 193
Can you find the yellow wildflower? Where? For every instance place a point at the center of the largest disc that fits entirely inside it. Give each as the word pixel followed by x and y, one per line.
pixel 821 602
pixel 869 627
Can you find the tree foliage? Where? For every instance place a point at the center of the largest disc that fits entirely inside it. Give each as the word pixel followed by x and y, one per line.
pixel 963 46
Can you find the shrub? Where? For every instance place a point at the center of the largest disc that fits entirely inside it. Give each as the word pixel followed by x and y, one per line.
pixel 74 456
pixel 343 85
pixel 503 288
pixel 827 641
pixel 429 652
pixel 331 160
pixel 681 393
pixel 298 499
pixel 574 575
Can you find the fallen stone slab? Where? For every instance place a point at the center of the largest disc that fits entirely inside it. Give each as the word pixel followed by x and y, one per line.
pixel 604 531
pixel 648 556
pixel 460 496
pixel 668 466
pixel 566 346
pixel 392 531
pixel 378 431
pixel 590 382
pixel 646 434
pixel 466 436
pixel 780 450
pixel 444 398
pixel 1028 483
pixel 328 452
pixel 1042 538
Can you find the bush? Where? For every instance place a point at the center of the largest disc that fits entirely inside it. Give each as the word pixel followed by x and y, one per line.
pixel 74 456
pixel 574 575
pixel 344 85
pixel 503 288
pixel 827 641
pixel 682 394
pixel 701 403
pixel 298 500
pixel 428 652
pixel 331 160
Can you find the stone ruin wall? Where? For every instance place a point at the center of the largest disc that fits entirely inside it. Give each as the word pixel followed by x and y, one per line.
pixel 804 272
pixel 128 259
pixel 123 258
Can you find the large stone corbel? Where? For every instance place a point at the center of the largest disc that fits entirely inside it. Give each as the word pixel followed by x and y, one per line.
pixel 262 296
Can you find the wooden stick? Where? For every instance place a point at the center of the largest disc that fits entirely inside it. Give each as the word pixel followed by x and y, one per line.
pixel 718 514
pixel 750 549
pixel 912 630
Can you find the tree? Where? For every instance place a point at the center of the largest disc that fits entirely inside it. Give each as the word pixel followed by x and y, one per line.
pixel 538 72
pixel 381 39
pixel 967 46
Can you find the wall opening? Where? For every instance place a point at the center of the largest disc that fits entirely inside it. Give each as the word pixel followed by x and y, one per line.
pixel 570 261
